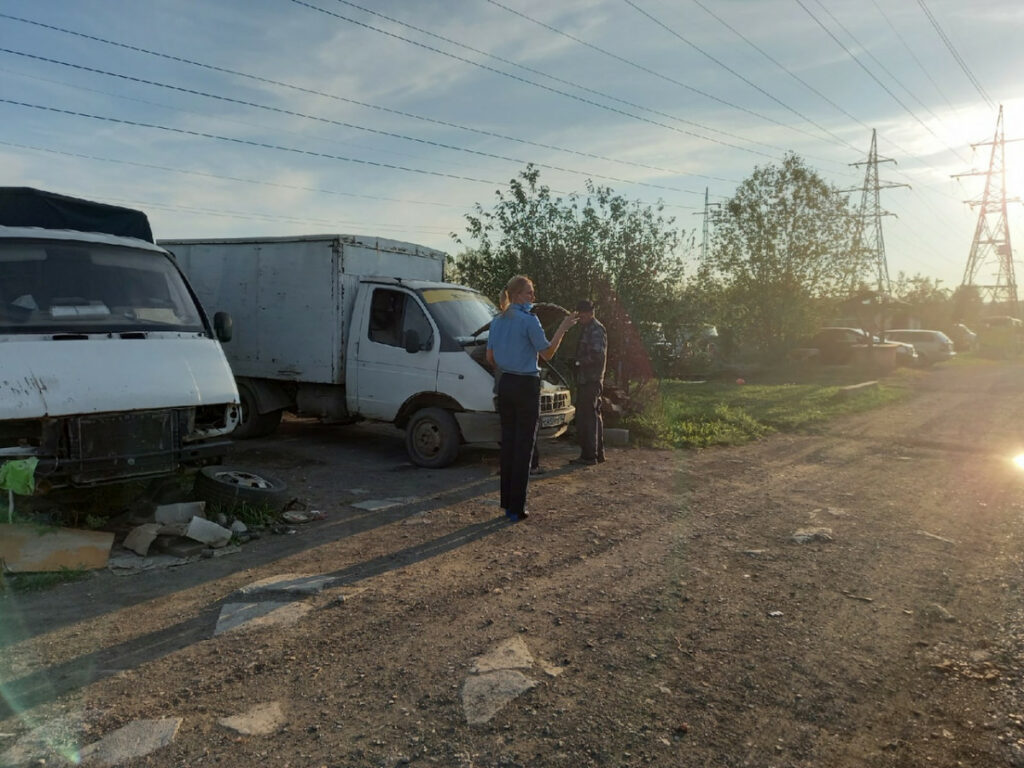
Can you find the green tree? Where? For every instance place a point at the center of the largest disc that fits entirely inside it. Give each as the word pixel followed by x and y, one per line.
pixel 781 244
pixel 619 253
pixel 925 301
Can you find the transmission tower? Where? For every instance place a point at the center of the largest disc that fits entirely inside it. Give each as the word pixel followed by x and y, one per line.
pixel 991 244
pixel 868 236
pixel 706 213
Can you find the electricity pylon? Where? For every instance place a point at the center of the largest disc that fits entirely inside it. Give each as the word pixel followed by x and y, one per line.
pixel 706 213
pixel 868 237
pixel 991 244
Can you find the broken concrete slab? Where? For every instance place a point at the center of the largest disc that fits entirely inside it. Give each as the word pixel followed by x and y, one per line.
pixel 804 535
pixel 293 583
pixel 208 532
pixel 137 739
pixel 129 563
pixel 255 615
pixel 181 513
pixel 483 696
pixel 140 537
pixel 511 654
pixel 29 548
pixel 376 505
pixel 178 546
pixel 258 721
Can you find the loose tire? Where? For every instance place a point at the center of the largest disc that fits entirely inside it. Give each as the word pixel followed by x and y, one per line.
pixel 432 438
pixel 230 486
pixel 252 423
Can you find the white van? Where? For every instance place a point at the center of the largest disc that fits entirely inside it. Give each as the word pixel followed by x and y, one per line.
pixel 109 368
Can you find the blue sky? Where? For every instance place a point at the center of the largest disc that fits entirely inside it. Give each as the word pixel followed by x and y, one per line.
pixel 666 97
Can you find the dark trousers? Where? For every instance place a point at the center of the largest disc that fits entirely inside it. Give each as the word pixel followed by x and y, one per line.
pixel 519 409
pixel 589 423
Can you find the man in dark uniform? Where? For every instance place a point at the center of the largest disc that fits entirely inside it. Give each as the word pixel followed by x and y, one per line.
pixel 591 356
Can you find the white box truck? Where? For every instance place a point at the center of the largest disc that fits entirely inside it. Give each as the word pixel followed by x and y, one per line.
pixel 109 368
pixel 345 327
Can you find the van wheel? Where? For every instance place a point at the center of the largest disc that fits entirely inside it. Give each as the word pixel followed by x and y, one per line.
pixel 228 487
pixel 432 438
pixel 252 423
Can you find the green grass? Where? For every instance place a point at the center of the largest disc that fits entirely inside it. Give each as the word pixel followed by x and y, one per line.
pixel 37 582
pixel 697 415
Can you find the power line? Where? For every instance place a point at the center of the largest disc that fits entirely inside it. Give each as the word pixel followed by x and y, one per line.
pixel 891 75
pixel 662 76
pixel 247 142
pixel 221 177
pixel 870 74
pixel 736 74
pixel 917 61
pixel 341 123
pixel 335 97
pixel 777 63
pixel 220 213
pixel 956 55
pixel 573 96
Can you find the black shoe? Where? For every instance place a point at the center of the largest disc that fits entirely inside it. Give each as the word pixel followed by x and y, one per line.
pixel 584 461
pixel 601 459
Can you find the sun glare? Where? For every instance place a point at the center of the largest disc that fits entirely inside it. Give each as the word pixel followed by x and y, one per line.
pixel 1018 461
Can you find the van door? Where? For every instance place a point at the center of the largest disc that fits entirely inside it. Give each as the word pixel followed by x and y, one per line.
pixel 386 374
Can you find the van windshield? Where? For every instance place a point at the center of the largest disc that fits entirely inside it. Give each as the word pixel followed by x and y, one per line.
pixel 460 313
pixel 70 287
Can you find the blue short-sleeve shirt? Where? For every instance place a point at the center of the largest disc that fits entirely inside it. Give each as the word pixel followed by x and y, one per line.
pixel 516 337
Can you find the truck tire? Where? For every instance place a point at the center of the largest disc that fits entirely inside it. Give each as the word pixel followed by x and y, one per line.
pixel 252 423
pixel 230 486
pixel 432 438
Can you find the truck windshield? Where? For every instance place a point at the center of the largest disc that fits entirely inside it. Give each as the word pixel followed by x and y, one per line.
pixel 459 312
pixel 70 287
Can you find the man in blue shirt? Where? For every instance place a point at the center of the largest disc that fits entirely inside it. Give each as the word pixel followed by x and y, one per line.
pixel 515 341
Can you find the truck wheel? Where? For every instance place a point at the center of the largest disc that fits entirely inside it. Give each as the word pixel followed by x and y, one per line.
pixel 432 438
pixel 230 486
pixel 253 423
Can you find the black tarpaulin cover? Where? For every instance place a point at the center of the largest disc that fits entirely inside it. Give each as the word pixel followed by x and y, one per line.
pixel 28 207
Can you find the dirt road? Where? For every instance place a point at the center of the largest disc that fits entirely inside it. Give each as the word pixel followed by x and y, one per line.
pixel 654 610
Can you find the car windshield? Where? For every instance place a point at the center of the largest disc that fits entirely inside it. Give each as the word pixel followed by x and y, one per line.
pixel 91 288
pixel 460 313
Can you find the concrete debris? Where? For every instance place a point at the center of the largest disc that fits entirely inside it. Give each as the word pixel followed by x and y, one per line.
pixel 483 696
pixel 302 516
pixel 936 612
pixel 239 527
pixel 804 535
pixel 255 615
pixel 258 721
pixel 140 537
pixel 496 680
pixel 179 514
pixel 292 583
pixel 208 532
pixel 511 654
pixel 137 739
pixel 129 564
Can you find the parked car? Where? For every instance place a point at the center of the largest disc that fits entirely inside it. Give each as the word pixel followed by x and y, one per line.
pixel 837 345
pixel 931 346
pixel 963 338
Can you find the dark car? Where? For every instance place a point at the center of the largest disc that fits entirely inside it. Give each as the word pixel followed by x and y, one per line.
pixel 836 345
pixel 963 337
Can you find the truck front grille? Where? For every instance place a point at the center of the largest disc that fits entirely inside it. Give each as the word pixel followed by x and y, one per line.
pixel 556 402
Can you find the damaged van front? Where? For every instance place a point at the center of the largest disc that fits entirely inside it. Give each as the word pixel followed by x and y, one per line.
pixel 109 369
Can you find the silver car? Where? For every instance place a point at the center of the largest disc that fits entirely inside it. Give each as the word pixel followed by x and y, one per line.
pixel 931 346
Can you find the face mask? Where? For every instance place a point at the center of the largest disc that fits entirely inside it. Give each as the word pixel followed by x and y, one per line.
pixel 527 306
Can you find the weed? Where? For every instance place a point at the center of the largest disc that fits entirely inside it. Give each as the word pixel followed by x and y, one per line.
pixel 37 582
pixel 253 515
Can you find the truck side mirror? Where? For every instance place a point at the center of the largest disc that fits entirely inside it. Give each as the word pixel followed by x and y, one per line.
pixel 412 341
pixel 222 326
